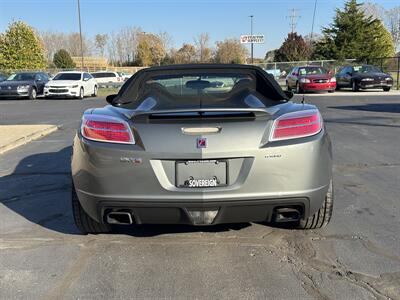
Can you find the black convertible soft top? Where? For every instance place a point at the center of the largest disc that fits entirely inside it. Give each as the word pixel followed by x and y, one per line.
pixel 203 85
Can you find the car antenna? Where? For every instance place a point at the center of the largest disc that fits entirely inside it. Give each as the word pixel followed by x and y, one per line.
pixel 302 100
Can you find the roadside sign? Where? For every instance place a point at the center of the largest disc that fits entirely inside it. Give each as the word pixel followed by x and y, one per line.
pixel 255 39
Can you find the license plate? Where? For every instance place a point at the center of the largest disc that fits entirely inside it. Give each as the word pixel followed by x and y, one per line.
pixel 201 173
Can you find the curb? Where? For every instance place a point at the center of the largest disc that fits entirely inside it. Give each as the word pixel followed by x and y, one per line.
pixel 26 139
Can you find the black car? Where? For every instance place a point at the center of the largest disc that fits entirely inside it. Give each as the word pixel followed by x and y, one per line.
pixel 363 77
pixel 24 85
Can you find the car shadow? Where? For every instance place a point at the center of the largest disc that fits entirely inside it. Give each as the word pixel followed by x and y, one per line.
pixel 374 107
pixel 39 190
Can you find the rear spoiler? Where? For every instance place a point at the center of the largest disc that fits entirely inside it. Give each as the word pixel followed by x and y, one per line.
pixel 258 112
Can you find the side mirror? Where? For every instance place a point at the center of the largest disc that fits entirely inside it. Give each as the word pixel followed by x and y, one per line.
pixel 289 94
pixel 110 98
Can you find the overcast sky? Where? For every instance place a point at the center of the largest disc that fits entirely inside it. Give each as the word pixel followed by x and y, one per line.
pixel 183 19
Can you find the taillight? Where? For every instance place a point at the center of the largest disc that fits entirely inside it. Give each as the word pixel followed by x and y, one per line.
pixel 106 129
pixel 296 125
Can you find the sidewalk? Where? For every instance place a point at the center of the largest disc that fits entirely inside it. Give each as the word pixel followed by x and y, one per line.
pixel 12 136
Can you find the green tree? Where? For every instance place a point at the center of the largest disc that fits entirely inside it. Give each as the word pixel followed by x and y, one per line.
pixel 354 35
pixel 63 60
pixel 21 48
pixel 294 48
pixel 230 51
pixel 150 50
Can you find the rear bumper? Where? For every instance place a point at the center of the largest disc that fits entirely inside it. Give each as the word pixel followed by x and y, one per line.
pixel 177 212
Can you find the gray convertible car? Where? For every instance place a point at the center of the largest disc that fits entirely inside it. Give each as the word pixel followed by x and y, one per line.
pixel 201 145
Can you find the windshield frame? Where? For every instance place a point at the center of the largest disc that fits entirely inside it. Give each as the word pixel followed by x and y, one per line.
pixel 133 88
pixel 365 69
pixel 325 71
pixel 56 78
pixel 13 76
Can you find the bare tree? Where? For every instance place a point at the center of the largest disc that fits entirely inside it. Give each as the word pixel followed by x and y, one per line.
pixel 53 41
pixel 391 18
pixel 393 24
pixel 203 51
pixel 373 10
pixel 100 41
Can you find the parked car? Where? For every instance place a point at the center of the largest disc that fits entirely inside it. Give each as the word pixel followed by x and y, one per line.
pixel 310 78
pixel 71 84
pixel 2 77
pixel 201 145
pixel 274 72
pixel 363 77
pixel 107 77
pixel 125 76
pixel 24 85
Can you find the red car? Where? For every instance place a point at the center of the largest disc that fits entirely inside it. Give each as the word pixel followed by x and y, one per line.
pixel 310 78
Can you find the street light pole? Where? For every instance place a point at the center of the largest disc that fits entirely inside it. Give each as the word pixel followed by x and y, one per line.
pixel 251 34
pixel 313 20
pixel 80 33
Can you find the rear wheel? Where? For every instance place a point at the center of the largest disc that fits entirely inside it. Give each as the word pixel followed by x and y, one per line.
pixel 83 221
pixel 386 89
pixel 322 217
pixel 299 90
pixel 32 94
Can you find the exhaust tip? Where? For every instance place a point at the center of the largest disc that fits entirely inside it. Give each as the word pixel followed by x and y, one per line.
pixel 286 214
pixel 119 217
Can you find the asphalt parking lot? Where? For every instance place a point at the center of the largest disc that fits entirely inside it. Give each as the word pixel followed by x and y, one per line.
pixel 357 256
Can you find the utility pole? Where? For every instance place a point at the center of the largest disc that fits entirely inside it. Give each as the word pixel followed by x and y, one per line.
pixel 293 19
pixel 80 33
pixel 313 21
pixel 251 34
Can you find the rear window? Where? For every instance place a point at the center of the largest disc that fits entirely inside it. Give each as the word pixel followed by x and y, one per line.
pixel 103 75
pixel 67 76
pixel 194 85
pixel 198 91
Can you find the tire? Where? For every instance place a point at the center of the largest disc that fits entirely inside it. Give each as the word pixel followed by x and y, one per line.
pixel 32 94
pixel 95 91
pixel 354 86
pixel 331 91
pixel 83 221
pixel 322 217
pixel 81 94
pixel 386 89
pixel 299 90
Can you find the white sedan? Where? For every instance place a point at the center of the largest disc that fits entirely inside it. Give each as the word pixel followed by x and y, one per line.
pixel 71 84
